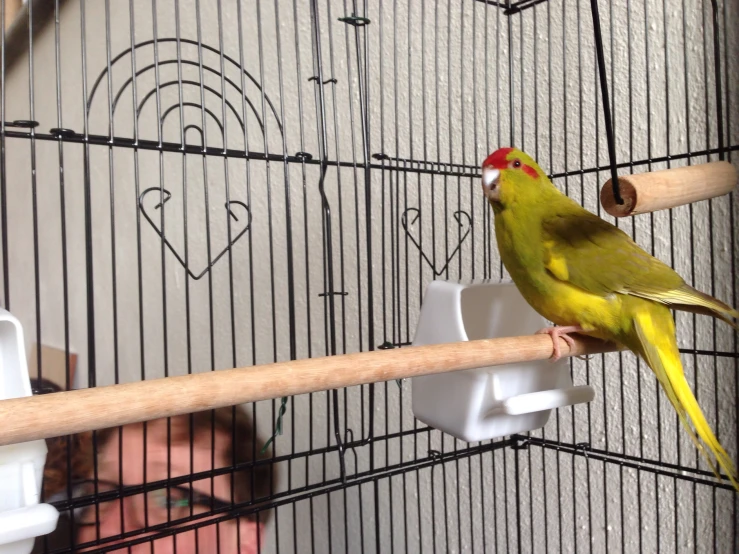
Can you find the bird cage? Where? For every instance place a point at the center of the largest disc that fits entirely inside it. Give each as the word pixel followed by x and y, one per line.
pixel 193 186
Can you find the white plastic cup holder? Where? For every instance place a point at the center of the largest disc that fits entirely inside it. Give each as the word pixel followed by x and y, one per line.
pixel 22 518
pixel 487 402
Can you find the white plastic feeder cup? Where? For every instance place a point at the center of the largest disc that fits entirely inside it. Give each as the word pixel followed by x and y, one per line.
pixel 22 518
pixel 487 402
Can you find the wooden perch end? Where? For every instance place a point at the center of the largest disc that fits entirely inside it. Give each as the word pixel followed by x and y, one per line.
pixel 668 188
pixel 65 413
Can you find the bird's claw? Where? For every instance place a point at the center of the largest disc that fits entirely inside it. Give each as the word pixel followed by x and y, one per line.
pixel 556 333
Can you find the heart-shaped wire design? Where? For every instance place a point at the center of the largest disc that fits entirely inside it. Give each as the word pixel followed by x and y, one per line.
pixel 166 195
pixel 460 216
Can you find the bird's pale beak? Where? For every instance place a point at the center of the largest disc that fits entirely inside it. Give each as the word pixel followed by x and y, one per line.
pixel 490 187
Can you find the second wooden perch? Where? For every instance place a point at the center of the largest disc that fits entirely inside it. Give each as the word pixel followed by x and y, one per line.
pixel 69 412
pixel 668 188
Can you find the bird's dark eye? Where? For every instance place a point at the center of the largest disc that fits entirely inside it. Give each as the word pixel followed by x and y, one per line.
pixel 516 163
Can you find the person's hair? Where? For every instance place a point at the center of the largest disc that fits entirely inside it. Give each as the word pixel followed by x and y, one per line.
pixel 72 451
pixel 242 447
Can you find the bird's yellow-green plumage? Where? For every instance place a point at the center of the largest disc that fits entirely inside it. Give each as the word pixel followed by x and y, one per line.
pixel 577 269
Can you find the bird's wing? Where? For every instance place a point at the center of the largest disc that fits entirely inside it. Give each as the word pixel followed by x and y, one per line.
pixel 590 253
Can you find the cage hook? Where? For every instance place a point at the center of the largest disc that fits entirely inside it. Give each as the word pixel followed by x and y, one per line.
pixel 23 123
pixel 518 7
pixel 60 132
pixel 355 20
pixel 327 81
pixel 304 156
pixel 583 447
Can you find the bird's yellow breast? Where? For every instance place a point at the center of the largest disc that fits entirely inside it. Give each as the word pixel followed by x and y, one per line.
pixel 565 304
pixel 552 297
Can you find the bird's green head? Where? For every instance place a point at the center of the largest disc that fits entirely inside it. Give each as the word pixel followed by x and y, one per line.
pixel 510 176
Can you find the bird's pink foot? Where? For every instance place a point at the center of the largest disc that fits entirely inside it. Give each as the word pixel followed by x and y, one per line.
pixel 556 333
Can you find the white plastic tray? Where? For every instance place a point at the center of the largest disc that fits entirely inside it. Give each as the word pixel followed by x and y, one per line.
pixel 22 518
pixel 487 402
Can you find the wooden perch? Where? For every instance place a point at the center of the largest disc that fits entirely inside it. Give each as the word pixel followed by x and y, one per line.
pixel 668 188
pixel 69 412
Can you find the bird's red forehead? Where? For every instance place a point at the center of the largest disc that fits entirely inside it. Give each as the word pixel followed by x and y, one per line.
pixel 498 159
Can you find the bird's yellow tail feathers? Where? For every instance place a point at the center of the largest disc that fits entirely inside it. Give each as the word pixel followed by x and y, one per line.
pixel 655 331
pixel 688 299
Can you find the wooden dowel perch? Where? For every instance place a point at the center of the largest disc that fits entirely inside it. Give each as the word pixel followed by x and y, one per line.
pixel 668 188
pixel 65 413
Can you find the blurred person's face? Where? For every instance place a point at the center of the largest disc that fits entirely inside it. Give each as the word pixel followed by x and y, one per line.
pixel 229 537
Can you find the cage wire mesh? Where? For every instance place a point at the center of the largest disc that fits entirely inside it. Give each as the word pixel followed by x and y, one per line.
pixel 189 186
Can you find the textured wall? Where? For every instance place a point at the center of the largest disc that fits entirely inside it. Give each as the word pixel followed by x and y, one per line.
pixel 445 84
